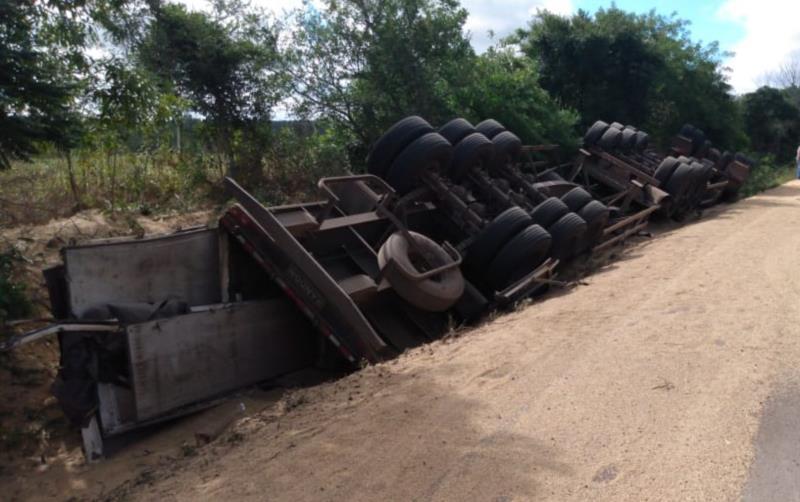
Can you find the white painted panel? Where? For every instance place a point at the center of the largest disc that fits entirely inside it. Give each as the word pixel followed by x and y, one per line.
pixel 185 265
pixel 194 357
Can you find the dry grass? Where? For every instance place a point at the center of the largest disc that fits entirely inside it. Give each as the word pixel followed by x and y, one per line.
pixel 38 191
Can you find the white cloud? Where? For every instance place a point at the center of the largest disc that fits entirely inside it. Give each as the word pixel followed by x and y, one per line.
pixel 504 16
pixel 772 33
pixel 500 16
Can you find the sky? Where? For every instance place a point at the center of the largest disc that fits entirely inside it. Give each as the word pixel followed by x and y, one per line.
pixel 762 34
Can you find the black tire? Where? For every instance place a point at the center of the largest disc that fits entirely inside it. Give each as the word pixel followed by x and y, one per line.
pixel 628 139
pixel 724 159
pixel 642 141
pixel 456 130
pixel 610 139
pixel 549 176
pixel 744 159
pixel 576 198
pixel 688 131
pixel 393 142
pixel 698 140
pixel 694 186
pixel 487 243
pixel 507 147
pixel 678 184
pixel 630 128
pixel 430 151
pixel 594 133
pixel 702 149
pixel 617 125
pixel 519 257
pixel 703 173
pixel 549 211
pixel 490 128
pixel 434 294
pixel 473 151
pixel 665 169
pixel 596 216
pixel 569 234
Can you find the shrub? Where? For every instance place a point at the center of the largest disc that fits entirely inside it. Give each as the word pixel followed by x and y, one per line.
pixel 13 301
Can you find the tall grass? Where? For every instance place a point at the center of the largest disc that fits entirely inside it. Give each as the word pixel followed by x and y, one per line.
pixel 163 180
pixel 55 186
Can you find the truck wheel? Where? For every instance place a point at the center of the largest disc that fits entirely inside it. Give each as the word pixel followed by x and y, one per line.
pixel 473 151
pixel 744 159
pixel 507 147
pixel 394 141
pixel 434 294
pixel 519 257
pixel 568 233
pixel 490 128
pixel 702 150
pixel 628 139
pixel 724 159
pixel 688 131
pixel 642 141
pixel 505 226
pixel 594 133
pixel 549 176
pixel 430 151
pixel 576 198
pixel 678 183
pixel 596 216
pixel 703 172
pixel 698 140
pixel 610 139
pixel 665 169
pixel 549 211
pixel 456 130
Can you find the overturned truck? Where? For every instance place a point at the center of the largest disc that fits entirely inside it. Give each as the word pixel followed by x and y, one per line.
pixel 449 224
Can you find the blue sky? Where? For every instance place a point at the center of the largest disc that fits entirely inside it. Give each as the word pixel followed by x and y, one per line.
pixel 706 25
pixel 762 33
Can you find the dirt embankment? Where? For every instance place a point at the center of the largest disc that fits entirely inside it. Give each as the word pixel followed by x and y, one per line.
pixel 654 381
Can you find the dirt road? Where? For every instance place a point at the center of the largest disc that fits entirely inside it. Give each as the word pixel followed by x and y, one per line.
pixel 672 375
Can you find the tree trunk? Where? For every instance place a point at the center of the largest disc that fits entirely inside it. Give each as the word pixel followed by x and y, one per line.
pixel 73 184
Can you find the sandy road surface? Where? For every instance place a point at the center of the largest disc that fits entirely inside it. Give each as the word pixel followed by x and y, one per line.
pixel 671 376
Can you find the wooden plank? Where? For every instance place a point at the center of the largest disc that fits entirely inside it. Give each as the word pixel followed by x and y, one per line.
pixel 195 357
pixel 184 265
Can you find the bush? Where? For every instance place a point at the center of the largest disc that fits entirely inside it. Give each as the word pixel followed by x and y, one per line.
pixel 299 155
pixel 13 301
pixel 765 175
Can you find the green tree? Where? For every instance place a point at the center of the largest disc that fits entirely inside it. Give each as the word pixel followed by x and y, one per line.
pixel 505 86
pixel 361 65
pixel 40 56
pixel 637 69
pixel 364 64
pixel 225 68
pixel 772 122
